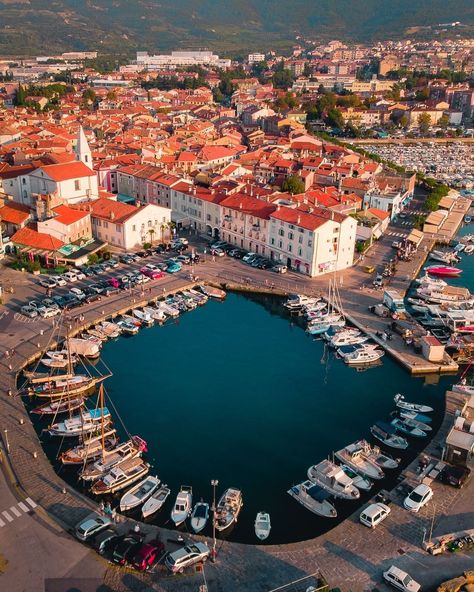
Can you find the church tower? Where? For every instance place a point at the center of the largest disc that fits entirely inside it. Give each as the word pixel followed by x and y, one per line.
pixel 83 151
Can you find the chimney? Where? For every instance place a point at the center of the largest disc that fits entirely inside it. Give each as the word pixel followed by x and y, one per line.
pixel 240 205
pixel 112 215
pixel 194 189
pixel 298 220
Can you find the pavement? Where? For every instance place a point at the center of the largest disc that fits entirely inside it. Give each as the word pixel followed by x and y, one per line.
pixel 350 556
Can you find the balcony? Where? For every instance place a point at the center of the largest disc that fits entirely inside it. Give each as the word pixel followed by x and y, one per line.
pixel 227 218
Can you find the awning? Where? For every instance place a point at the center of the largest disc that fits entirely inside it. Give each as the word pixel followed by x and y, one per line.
pixel 415 237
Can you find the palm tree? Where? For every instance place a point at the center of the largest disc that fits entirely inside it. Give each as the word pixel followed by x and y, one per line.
pixel 151 232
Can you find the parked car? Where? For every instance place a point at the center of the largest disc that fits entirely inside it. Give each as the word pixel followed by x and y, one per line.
pixel 47 282
pixel 96 288
pixel 126 548
pixel 92 297
pixel 218 252
pixel 59 301
pixel 48 313
pixel 49 303
pixel 177 561
pixel 114 282
pixel 374 514
pixel 400 579
pixel 146 555
pixel 125 258
pixel 454 475
pixel 79 274
pixel 173 267
pixel 418 498
pixel 248 258
pixel 60 281
pixel 77 292
pixel 29 311
pixel 70 276
pixel 104 540
pixel 369 269
pixel 91 526
pixel 185 259
pixel 280 268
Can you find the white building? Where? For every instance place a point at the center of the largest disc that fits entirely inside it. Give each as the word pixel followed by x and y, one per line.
pixel 180 59
pixel 126 226
pixel 255 58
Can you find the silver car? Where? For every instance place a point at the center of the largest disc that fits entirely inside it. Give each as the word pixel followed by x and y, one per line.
pixel 29 311
pixel 188 555
pixel 91 525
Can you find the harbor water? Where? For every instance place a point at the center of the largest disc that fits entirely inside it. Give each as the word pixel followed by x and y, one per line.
pixel 237 391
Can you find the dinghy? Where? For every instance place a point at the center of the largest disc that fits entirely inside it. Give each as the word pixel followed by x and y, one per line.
pixel 199 516
pixel 262 525
pixel 386 433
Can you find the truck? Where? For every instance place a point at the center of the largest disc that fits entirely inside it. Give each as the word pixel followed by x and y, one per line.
pixel 393 300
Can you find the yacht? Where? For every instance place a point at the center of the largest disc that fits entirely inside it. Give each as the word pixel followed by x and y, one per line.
pixel 155 313
pixel 84 423
pixel 386 433
pixel 139 493
pixel 297 301
pixel 332 478
pixel 363 356
pixel 183 505
pixel 67 385
pixel 353 456
pixel 112 330
pixel 373 453
pixel 156 501
pixel 228 508
pixel 199 516
pixel 313 498
pixel 127 327
pixel 144 317
pixel 347 338
pixel 121 476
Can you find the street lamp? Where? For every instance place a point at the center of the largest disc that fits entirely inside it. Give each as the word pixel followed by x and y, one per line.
pixel 7 443
pixel 214 484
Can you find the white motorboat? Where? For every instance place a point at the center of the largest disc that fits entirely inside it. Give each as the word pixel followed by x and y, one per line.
pixel 200 296
pixel 415 416
pixel 463 388
pixel 183 505
pixel 362 483
pixel 50 363
pixel 353 456
pixel 313 498
pixel 363 356
pixel 409 416
pixel 386 433
pixel 130 449
pixel 344 338
pixel 297 301
pixel 84 423
pixel 139 493
pixel 143 317
pixel 373 453
pixel 112 330
pixel 199 516
pixel 262 525
pixel 407 427
pixel 121 476
pixel 443 256
pixel 84 347
pixel 156 501
pixel 228 508
pixel 155 313
pixel 127 327
pixel 402 404
pixel 469 249
pixel 213 292
pixel 332 478
pixel 168 309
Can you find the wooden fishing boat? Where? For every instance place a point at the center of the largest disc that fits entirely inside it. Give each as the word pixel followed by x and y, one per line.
pixel 56 407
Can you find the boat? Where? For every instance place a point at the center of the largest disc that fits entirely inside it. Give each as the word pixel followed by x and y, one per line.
pixel 443 270
pixel 212 292
pixel 459 248
pixel 467 219
pixel 155 313
pixel 362 483
pixel 183 505
pixel 262 525
pixel 168 309
pixel 98 334
pixel 199 295
pixel 57 407
pixel 143 317
pixel 313 498
pixel 84 347
pixel 344 338
pixel 363 356
pixel 112 330
pixel 133 320
pixel 128 328
pixel 91 448
pixel 424 419
pixel 402 404
pixel 442 256
pixel 199 516
pixel 463 388
pixel 121 476
pixel 469 249
pixel 156 501
pixel 84 423
pixel 407 427
pixel 110 458
pixel 332 478
pixel 228 508
pixel 353 456
pixel 373 453
pixel 139 493
pixel 298 301
pixel 386 433
pixel 55 387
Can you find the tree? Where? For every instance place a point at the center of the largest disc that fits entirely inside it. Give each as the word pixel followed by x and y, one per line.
pixel 151 232
pixel 89 96
pixel 20 95
pixel 111 95
pixel 443 121
pixel 282 78
pixel 293 184
pixel 334 118
pixel 307 70
pixel 424 122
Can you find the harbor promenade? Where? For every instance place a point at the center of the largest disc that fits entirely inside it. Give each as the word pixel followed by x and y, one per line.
pixel 349 556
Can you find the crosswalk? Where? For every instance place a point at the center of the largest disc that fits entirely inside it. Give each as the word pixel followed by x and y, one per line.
pixel 398 234
pixel 7 516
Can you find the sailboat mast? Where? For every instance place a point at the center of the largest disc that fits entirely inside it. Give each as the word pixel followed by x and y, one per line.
pixel 101 391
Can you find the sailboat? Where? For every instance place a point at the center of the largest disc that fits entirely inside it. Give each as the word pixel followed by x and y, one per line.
pixel 334 315
pixel 90 449
pixel 110 458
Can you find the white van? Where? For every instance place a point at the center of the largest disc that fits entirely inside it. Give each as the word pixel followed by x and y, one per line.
pixel 374 514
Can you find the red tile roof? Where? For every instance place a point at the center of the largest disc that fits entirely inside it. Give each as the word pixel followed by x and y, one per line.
pixel 109 209
pixel 248 205
pixel 14 213
pixel 310 221
pixel 68 170
pixel 67 216
pixel 28 237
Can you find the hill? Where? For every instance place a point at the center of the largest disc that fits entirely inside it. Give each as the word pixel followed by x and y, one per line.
pixel 46 26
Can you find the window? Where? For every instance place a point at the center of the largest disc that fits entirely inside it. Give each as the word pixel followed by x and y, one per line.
pixel 289 248
pixel 77 185
pixel 300 239
pixel 117 228
pixel 134 228
pixel 149 223
pixel 290 235
pixel 106 224
pixel 310 243
pixel 300 252
pixel 280 244
pixel 335 230
pixel 23 181
pixel 281 232
pixel 272 241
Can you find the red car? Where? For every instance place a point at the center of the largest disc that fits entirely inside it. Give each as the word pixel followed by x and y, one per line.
pixel 154 274
pixel 146 555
